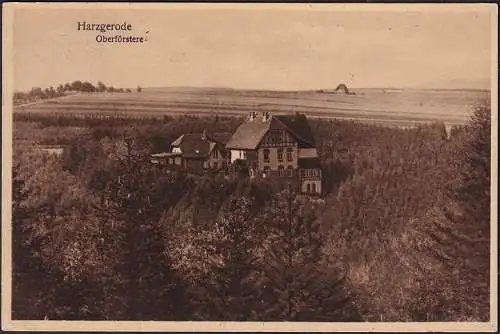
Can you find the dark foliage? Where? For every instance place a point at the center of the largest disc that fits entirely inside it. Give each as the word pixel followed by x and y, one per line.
pixel 100 234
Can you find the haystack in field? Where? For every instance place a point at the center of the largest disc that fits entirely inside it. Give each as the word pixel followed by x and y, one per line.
pixel 342 89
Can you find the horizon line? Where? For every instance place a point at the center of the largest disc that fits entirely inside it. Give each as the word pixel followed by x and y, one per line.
pixel 274 89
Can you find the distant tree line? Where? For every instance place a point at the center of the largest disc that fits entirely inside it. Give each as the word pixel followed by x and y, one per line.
pixel 77 86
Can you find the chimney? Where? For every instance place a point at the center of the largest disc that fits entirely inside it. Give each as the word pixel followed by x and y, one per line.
pixel 265 116
pixel 251 116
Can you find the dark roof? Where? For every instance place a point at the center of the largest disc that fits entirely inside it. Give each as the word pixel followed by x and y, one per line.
pixel 219 137
pixel 309 163
pixel 249 134
pixel 192 145
pixel 299 127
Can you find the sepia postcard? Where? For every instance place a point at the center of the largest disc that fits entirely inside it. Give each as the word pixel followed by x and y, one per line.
pixel 190 167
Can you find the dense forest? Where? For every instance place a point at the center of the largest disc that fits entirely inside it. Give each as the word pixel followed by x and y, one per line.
pixel 402 233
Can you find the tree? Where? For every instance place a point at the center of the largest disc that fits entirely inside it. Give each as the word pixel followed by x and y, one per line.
pixel 54 240
pixel 139 89
pixel 87 87
pixel 52 92
pixel 130 208
pixel 222 265
pixel 474 192
pixel 470 251
pixel 19 97
pixel 295 286
pixel 101 87
pixel 77 86
pixel 450 243
pixel 36 92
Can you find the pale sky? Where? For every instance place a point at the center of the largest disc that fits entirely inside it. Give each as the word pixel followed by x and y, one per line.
pixel 258 46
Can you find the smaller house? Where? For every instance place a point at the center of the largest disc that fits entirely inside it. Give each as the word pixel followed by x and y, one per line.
pixel 195 152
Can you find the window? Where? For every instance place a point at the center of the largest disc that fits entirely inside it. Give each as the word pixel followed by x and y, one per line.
pixel 314 188
pixel 216 154
pixel 216 165
pixel 290 171
pixel 280 154
pixel 245 155
pixel 302 172
pixel 308 187
pixel 266 155
pixel 289 154
pixel 281 171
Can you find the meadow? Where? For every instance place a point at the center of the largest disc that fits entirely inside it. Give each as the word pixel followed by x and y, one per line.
pixel 385 106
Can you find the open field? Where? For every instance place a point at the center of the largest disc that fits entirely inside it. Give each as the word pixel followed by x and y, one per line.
pixel 387 106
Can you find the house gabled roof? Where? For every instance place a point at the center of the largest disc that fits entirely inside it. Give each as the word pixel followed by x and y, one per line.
pixel 194 145
pixel 299 127
pixel 178 141
pixel 249 134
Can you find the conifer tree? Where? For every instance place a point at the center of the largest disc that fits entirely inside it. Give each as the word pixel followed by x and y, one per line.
pixel 471 230
pixel 137 234
pixel 224 267
pixel 456 235
pixel 294 284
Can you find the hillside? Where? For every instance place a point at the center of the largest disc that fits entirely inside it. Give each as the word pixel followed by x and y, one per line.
pixel 394 107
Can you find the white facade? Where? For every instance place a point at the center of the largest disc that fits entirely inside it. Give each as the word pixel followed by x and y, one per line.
pixel 237 154
pixel 311 186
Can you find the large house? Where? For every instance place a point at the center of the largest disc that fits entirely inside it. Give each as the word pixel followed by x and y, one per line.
pixel 196 152
pixel 278 147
